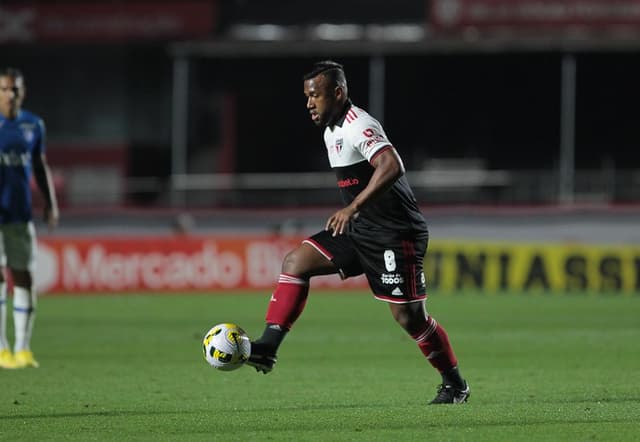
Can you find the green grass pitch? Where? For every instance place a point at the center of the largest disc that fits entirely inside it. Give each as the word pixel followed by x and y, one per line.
pixel 541 367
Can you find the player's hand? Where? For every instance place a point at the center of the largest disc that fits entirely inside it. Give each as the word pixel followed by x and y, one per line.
pixel 51 216
pixel 339 221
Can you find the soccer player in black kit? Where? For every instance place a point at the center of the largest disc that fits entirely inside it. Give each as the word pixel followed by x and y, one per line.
pixel 380 232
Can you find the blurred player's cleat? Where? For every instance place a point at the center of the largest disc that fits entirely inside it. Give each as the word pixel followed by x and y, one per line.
pixel 6 359
pixel 262 363
pixel 448 394
pixel 24 358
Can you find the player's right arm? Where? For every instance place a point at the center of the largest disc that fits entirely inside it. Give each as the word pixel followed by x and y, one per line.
pixel 388 168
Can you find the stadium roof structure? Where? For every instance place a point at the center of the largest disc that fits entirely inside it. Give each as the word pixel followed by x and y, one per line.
pixel 267 40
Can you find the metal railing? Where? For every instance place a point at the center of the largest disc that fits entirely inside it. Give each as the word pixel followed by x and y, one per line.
pixel 309 189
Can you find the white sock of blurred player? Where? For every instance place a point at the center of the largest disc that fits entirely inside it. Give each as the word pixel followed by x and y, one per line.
pixel 24 314
pixel 4 343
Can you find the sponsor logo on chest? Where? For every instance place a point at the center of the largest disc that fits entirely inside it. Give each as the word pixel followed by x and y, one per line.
pixel 15 159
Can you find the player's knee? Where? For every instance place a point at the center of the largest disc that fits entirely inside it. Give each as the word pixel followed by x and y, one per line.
pixel 402 317
pixel 293 263
pixel 408 317
pixel 304 263
pixel 22 278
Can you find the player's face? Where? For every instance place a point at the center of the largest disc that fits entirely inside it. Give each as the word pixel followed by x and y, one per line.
pixel 11 95
pixel 321 100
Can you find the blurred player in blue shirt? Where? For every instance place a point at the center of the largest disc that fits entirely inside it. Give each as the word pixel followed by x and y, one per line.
pixel 22 153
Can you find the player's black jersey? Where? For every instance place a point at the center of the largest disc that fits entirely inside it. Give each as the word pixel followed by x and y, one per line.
pixel 352 143
pixel 395 210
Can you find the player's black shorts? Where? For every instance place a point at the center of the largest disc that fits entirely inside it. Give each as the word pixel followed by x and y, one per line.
pixel 392 262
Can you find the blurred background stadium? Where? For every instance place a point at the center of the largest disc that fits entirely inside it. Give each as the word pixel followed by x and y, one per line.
pixel 516 120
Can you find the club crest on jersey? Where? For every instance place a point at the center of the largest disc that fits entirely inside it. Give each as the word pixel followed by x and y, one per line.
pixel 27 132
pixel 338 145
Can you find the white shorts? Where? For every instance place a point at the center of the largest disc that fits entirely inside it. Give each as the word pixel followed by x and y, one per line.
pixel 18 246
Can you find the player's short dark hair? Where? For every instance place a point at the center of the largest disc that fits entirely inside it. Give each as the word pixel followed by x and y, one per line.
pixel 334 72
pixel 11 72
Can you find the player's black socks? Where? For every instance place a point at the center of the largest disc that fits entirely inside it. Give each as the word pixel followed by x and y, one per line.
pixel 452 377
pixel 270 340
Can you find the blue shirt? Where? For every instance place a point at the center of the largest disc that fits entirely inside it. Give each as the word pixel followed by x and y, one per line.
pixel 21 140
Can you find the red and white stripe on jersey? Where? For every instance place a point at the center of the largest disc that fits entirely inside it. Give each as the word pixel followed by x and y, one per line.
pixel 351 115
pixel 290 279
pixel 358 139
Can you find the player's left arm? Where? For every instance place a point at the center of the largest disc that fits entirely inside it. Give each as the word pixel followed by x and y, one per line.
pixel 43 177
pixel 388 168
pixel 42 174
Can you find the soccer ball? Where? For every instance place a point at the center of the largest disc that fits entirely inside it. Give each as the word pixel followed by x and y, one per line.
pixel 226 347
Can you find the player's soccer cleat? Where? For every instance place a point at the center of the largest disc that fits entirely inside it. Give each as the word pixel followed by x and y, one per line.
pixel 6 359
pixel 262 363
pixel 448 394
pixel 24 358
